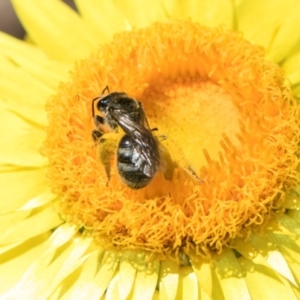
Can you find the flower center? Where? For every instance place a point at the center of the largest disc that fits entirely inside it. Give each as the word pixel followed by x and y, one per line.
pixel 227 129
pixel 215 115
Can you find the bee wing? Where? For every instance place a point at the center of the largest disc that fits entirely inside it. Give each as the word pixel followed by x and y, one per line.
pixel 144 120
pixel 144 144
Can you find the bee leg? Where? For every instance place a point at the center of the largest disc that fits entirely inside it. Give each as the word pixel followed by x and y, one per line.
pixel 174 158
pixel 98 120
pixel 105 158
pixel 104 155
pixel 167 164
pixel 191 171
pixel 161 137
pixel 106 148
pixel 96 135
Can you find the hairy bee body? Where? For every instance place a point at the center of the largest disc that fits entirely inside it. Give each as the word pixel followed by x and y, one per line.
pixel 137 151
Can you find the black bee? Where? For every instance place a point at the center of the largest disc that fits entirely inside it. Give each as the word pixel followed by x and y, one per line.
pixel 138 156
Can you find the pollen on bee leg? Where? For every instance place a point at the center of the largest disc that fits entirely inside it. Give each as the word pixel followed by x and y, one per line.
pixel 106 147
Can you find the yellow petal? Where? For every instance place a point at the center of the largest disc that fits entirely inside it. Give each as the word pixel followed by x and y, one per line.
pixel 5 248
pixel 206 12
pixel 141 14
pixel 127 273
pixel 36 279
pixel 290 249
pixel 85 287
pixel 41 199
pixel 63 38
pixel 97 14
pixel 39 221
pixel 8 220
pixel 92 280
pixel 289 223
pixel 296 292
pixel 230 276
pixel 20 146
pixel 73 260
pixel 169 275
pixel 263 283
pixel 273 257
pixel 270 24
pixel 262 251
pixel 296 91
pixel 107 266
pixel 188 284
pixel 217 292
pixel 31 91
pixel 292 68
pixel 119 15
pixel 112 292
pixel 286 37
pixel 292 200
pixel 25 117
pixel 202 270
pixel 33 188
pixel 31 60
pixel 14 263
pixel 294 214
pixel 146 280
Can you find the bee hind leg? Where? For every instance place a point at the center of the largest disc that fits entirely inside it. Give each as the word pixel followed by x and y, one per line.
pixel 106 149
pixel 191 171
pixel 173 157
pixel 105 159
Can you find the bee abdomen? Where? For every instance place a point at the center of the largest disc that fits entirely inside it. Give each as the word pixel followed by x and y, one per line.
pixel 131 164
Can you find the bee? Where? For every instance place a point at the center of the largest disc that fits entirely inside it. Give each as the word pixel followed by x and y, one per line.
pixel 138 157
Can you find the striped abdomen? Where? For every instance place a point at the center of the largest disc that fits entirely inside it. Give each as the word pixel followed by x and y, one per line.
pixel 134 170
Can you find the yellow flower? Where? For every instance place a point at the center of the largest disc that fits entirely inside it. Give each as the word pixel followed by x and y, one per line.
pixel 220 219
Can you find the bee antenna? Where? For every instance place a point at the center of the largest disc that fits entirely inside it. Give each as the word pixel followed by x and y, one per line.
pixel 105 89
pixel 93 109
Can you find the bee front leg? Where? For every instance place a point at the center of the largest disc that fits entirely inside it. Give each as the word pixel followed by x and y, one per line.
pixel 96 135
pixel 98 120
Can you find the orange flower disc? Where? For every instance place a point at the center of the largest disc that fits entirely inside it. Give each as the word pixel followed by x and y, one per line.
pixel 226 113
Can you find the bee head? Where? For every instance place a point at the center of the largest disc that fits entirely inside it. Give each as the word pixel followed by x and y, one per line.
pixel 116 105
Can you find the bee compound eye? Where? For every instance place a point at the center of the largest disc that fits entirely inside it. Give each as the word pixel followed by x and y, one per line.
pixel 103 104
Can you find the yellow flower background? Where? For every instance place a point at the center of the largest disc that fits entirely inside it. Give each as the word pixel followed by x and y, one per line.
pixel 44 257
